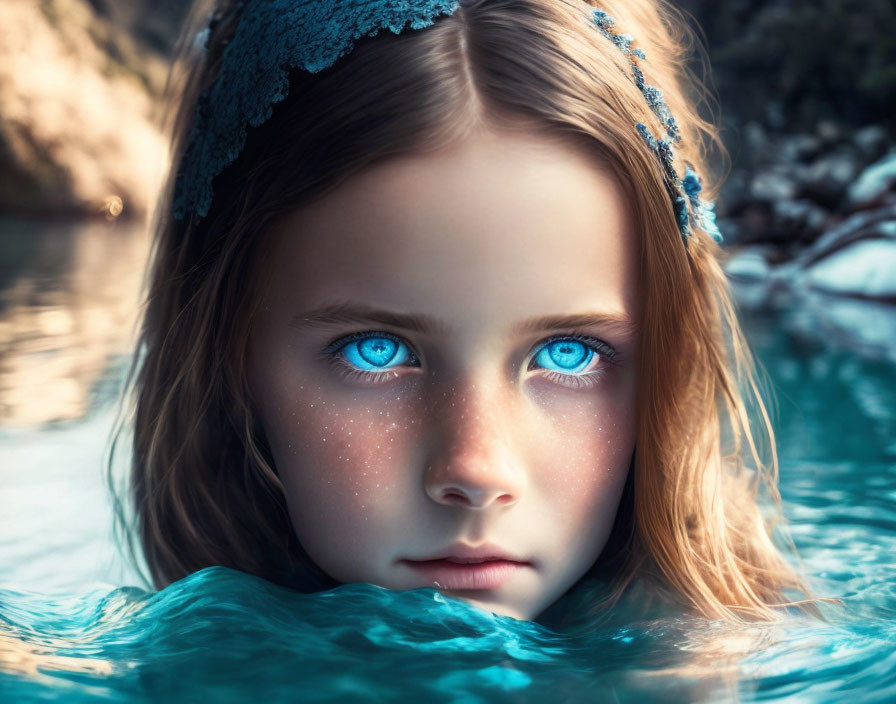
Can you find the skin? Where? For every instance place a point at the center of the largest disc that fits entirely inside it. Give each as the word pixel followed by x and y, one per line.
pixel 476 442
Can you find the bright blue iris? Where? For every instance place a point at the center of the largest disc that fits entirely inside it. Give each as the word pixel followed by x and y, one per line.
pixel 569 355
pixel 375 352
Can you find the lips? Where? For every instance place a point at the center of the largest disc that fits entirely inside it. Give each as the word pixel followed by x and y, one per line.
pixel 470 560
pixel 447 574
pixel 468 554
pixel 461 566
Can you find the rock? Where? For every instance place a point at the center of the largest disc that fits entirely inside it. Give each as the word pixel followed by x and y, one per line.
pixel 747 265
pixel 866 269
pixel 772 184
pixel 756 151
pixel 755 223
pixel 869 327
pixel 775 115
pixel 873 182
pixel 799 148
pixel 799 220
pixel 752 294
pixel 866 224
pixel 828 132
pixel 827 179
pixel 871 141
pixel 79 107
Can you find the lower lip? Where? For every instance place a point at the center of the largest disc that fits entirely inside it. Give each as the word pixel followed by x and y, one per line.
pixel 452 575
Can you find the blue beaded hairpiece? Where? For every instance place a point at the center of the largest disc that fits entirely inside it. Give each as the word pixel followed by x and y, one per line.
pixel 274 36
pixel 682 190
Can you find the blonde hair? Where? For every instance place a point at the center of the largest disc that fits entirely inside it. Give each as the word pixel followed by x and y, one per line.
pixel 203 484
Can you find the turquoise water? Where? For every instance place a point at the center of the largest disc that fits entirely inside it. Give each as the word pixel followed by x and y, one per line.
pixel 70 633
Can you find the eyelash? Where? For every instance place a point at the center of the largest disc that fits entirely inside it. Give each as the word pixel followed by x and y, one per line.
pixel 331 354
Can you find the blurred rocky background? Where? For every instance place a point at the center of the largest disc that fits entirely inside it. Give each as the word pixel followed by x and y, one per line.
pixel 807 91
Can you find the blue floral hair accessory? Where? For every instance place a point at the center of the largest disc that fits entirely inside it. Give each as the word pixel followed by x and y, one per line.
pixel 685 191
pixel 273 37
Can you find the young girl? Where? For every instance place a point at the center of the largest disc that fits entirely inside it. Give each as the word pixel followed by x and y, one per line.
pixel 436 283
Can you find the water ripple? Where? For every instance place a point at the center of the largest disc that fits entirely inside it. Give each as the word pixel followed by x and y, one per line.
pixel 231 636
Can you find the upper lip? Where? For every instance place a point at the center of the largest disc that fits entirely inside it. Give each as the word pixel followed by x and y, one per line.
pixel 469 553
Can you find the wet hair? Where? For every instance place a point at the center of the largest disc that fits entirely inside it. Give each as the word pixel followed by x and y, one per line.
pixel 700 504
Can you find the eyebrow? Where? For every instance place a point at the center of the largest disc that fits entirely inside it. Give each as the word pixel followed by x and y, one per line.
pixel 347 313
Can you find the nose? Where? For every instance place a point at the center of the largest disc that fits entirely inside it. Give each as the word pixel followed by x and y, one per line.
pixel 475 461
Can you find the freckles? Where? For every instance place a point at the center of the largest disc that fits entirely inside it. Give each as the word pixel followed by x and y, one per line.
pixel 355 449
pixel 585 449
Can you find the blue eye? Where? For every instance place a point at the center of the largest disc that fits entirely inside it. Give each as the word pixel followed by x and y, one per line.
pixel 374 352
pixel 565 355
pixel 575 361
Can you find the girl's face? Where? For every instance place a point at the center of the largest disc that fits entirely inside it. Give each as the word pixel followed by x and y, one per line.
pixel 445 355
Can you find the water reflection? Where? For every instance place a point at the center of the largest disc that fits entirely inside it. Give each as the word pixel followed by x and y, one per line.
pixel 69 296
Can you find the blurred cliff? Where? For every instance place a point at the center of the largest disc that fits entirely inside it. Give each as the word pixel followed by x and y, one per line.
pixel 80 84
pixel 81 158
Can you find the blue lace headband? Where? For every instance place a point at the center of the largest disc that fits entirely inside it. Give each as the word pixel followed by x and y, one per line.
pixel 274 36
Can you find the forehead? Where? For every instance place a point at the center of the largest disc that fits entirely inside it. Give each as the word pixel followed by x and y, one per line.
pixel 497 229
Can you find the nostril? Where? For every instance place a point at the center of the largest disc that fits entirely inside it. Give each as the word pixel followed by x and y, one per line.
pixel 468 500
pixel 456 495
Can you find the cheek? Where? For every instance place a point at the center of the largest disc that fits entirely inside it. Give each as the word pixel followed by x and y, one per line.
pixel 342 458
pixel 585 450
